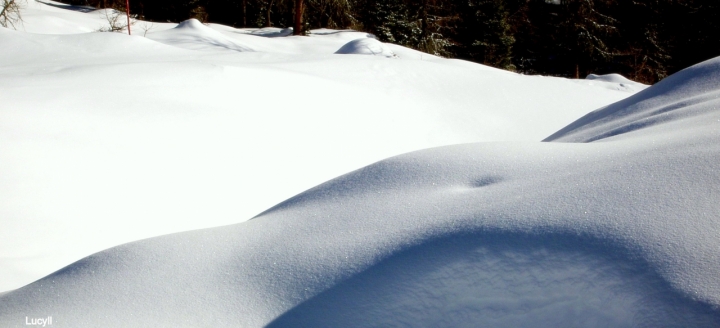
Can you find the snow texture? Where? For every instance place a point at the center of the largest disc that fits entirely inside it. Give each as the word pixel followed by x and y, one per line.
pixel 131 137
pixel 616 233
pixel 614 223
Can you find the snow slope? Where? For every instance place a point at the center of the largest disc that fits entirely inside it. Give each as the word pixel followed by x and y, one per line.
pixel 620 231
pixel 107 138
pixel 686 98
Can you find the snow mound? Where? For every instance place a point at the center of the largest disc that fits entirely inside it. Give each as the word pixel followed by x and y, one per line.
pixel 272 32
pixel 498 281
pixel 414 239
pixel 614 78
pixel 366 46
pixel 192 24
pixel 179 147
pixel 192 34
pixel 620 233
pixel 689 97
pixel 615 82
pixel 340 35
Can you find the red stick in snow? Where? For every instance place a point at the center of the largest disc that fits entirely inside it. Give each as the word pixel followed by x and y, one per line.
pixel 127 10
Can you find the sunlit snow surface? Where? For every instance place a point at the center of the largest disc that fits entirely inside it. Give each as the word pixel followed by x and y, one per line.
pixel 108 138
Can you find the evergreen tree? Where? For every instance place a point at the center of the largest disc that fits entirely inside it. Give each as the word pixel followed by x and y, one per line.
pixel 695 31
pixel 645 40
pixel 567 38
pixel 336 14
pixel 484 33
pixel 644 54
pixel 391 21
pixel 422 25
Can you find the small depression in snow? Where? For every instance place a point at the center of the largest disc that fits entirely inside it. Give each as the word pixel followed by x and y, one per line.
pixel 485 181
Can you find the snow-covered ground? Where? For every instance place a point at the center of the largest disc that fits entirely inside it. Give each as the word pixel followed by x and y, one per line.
pixel 107 138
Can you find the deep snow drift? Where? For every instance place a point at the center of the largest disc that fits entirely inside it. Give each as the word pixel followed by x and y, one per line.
pixel 107 138
pixel 615 226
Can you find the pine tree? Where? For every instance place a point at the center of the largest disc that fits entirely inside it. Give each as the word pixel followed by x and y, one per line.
pixel 644 47
pixel 567 38
pixel 484 33
pixel 695 31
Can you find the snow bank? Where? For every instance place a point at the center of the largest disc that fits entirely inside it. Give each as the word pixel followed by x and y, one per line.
pixel 614 78
pixel 273 32
pixel 191 34
pixel 58 18
pixel 108 138
pixel 154 138
pixel 621 232
pixel 688 97
pixel 366 46
pixel 612 82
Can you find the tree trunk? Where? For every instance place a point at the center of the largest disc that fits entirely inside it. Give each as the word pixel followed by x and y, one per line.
pixel 267 19
pixel 297 30
pixel 423 20
pixel 244 11
pixel 127 12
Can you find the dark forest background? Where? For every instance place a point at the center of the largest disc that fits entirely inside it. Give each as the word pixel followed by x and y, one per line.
pixel 645 40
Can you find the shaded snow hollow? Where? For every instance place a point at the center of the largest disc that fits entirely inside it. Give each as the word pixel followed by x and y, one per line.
pixel 619 232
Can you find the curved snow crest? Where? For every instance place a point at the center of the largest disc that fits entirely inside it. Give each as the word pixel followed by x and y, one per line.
pixel 511 233
pixel 192 34
pixel 689 98
pixel 191 24
pixel 366 46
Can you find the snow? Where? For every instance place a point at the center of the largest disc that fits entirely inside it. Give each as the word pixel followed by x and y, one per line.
pixel 366 46
pixel 614 78
pixel 614 82
pixel 191 34
pixel 132 138
pixel 656 111
pixel 272 32
pixel 465 219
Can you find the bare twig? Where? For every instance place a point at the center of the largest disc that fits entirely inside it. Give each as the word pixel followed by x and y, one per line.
pixel 146 28
pixel 116 23
pixel 10 13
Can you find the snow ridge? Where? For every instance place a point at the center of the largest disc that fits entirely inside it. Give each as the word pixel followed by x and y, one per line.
pixel 191 34
pixel 691 94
